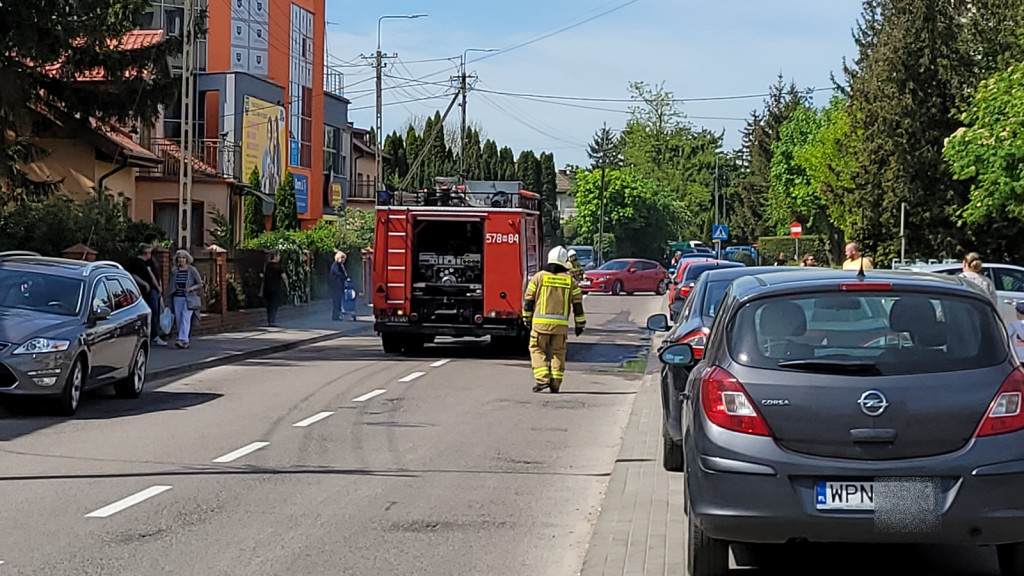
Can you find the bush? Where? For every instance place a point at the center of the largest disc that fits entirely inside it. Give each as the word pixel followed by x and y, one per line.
pixel 52 224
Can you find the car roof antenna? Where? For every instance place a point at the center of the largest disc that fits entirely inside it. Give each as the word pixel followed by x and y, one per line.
pixel 860 274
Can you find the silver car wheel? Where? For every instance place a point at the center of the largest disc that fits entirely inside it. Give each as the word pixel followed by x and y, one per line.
pixel 76 385
pixel 139 373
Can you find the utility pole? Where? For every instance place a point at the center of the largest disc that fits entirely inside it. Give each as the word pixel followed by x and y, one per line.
pixel 600 226
pixel 378 65
pixel 462 126
pixel 903 238
pixel 188 95
pixel 717 221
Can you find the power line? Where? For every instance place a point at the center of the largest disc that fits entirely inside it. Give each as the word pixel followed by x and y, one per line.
pixel 395 103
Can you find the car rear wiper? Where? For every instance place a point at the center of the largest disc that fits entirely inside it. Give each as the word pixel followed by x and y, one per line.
pixel 865 367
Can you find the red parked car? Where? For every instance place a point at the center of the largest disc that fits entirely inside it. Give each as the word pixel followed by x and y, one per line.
pixel 629 275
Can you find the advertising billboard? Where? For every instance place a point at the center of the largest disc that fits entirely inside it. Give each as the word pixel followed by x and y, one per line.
pixel 264 139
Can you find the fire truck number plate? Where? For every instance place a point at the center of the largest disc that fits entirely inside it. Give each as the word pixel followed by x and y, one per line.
pixel 502 238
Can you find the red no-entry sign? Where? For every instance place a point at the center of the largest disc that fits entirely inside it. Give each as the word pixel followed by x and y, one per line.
pixel 795 229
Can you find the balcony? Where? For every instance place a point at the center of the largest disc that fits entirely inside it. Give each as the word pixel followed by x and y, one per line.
pixel 364 189
pixel 210 159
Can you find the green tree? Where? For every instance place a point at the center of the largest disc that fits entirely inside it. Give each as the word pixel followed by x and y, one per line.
pixel 640 214
pixel 78 38
pixel 255 223
pixel 759 134
pixel 549 198
pixel 989 151
pixel 605 153
pixel 791 193
pixel 285 209
pixel 506 164
pixel 489 160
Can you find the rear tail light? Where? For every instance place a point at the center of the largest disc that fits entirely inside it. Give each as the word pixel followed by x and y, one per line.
pixel 728 406
pixel 684 290
pixel 1004 414
pixel 697 340
pixel 865 286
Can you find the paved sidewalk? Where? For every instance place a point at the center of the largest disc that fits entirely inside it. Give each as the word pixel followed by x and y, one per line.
pixel 231 347
pixel 641 529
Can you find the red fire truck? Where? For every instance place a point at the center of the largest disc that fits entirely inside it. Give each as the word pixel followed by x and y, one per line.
pixel 454 261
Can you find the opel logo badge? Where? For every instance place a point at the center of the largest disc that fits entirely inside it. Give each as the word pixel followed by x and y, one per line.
pixel 873 403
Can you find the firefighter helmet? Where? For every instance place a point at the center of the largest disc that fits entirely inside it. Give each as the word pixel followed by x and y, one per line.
pixel 558 255
pixel 571 255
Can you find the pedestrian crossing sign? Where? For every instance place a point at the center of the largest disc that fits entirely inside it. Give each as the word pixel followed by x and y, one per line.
pixel 719 232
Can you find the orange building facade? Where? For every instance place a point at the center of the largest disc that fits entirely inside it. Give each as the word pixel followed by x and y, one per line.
pixel 261 94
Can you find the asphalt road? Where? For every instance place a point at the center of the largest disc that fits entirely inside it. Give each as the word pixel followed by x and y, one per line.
pixel 330 460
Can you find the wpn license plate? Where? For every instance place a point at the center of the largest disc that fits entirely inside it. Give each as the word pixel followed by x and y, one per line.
pixel 844 496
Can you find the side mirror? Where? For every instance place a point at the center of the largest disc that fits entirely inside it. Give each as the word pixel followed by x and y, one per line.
pixel 677 355
pixel 632 270
pixel 100 313
pixel 658 323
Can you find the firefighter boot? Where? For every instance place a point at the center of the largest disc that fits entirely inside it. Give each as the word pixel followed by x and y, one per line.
pixel 558 350
pixel 539 361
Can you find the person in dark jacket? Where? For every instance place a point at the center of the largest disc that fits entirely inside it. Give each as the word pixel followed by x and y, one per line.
pixel 336 283
pixel 275 286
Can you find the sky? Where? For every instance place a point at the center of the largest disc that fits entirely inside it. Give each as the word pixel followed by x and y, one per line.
pixel 705 49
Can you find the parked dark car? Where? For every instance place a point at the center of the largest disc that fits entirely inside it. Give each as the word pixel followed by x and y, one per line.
pixel 837 407
pixel 67 326
pixel 689 278
pixel 692 326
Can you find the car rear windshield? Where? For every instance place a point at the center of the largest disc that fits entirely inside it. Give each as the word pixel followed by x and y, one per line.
pixel 695 270
pixel 40 292
pixel 870 334
pixel 713 296
pixel 615 265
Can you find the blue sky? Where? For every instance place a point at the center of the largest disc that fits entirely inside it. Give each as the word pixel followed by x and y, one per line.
pixel 698 49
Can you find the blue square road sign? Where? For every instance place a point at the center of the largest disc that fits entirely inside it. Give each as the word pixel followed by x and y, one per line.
pixel 720 232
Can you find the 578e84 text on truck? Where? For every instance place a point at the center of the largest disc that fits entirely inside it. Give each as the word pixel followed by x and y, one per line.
pixel 454 261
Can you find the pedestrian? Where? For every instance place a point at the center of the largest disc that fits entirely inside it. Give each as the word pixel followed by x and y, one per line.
pixel 336 284
pixel 855 260
pixel 149 285
pixel 972 271
pixel 185 299
pixel 274 287
pixel 1016 331
pixel 550 297
pixel 575 268
pixel 781 260
pixel 808 261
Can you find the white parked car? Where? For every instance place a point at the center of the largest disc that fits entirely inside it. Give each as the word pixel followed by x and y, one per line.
pixel 1009 281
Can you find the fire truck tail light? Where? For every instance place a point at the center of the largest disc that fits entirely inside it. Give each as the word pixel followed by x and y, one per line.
pixel 479 318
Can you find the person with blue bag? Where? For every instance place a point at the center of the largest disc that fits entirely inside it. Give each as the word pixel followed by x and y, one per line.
pixel 337 285
pixel 348 304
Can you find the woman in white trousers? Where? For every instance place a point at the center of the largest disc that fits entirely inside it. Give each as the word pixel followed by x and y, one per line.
pixel 186 282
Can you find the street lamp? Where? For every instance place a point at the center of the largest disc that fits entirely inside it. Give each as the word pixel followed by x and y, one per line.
pixel 377 65
pixel 462 88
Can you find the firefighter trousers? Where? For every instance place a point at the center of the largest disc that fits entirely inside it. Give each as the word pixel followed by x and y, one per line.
pixel 547 356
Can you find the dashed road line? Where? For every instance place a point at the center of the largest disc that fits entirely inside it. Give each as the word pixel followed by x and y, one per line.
pixel 440 363
pixel 232 456
pixel 312 419
pixel 128 502
pixel 369 395
pixel 412 377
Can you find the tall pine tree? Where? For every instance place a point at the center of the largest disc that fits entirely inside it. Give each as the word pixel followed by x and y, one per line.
pixel 286 215
pixel 255 223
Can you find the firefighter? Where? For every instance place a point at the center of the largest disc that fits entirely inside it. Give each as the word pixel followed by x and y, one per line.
pixel 546 309
pixel 575 268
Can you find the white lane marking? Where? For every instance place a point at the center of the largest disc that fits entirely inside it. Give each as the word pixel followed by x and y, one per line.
pixel 312 419
pixel 369 395
pixel 439 363
pixel 241 452
pixel 412 377
pixel 128 502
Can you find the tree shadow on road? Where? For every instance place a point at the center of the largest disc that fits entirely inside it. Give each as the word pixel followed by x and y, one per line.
pixel 23 416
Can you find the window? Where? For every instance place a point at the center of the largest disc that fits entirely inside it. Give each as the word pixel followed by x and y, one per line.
pixel 40 292
pixel 118 294
pixel 101 297
pixel 300 90
pixel 131 289
pixel 1008 279
pixel 332 141
pixel 165 215
pixel 169 16
pixel 874 334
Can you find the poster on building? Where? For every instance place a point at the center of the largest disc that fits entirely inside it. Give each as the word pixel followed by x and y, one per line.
pixel 263 142
pixel 301 193
pixel 250 36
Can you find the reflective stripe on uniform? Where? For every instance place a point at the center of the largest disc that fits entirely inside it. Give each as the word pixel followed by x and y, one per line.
pixel 542 371
pixel 546 319
pixel 557 375
pixel 581 320
pixel 556 281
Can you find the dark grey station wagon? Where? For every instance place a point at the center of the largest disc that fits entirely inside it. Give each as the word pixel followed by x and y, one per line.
pixel 847 408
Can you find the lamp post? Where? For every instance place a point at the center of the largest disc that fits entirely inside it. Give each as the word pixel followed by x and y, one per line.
pixel 378 65
pixel 462 89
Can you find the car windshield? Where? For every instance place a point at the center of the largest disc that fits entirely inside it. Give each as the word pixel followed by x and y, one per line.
pixel 880 334
pixel 40 292
pixel 615 265
pixel 695 270
pixel 583 254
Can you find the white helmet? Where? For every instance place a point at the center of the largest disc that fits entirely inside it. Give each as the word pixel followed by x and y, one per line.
pixel 572 254
pixel 558 255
